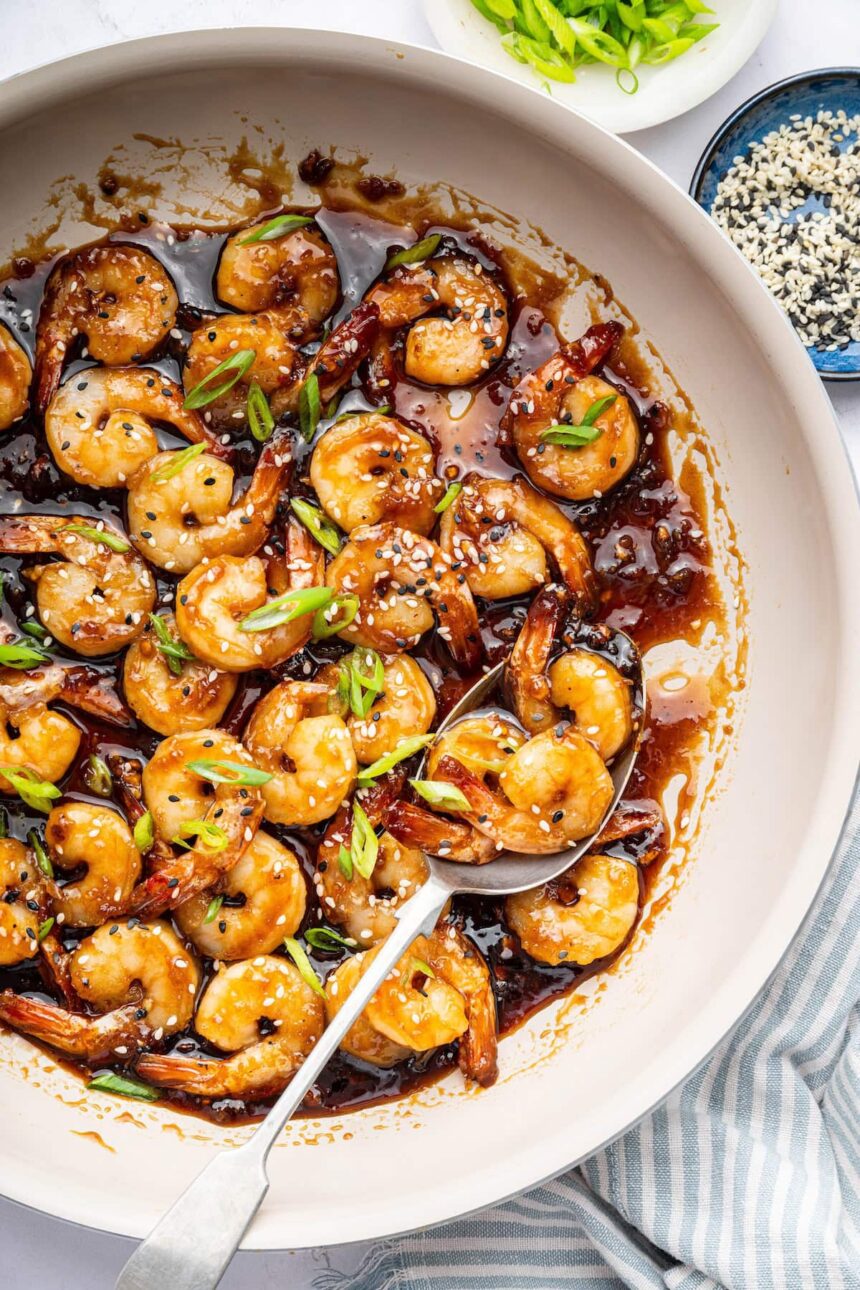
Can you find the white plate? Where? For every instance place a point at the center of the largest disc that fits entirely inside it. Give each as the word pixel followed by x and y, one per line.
pixel 664 92
pixel 571 1079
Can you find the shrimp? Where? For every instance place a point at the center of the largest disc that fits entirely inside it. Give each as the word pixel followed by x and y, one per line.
pixel 502 531
pixel 181 512
pixel 550 792
pixel 15 377
pixel 80 834
pixel 334 363
pixel 369 468
pixel 269 273
pixel 306 748
pixel 415 1010
pixel 213 600
pixel 401 579
pixel 36 739
pixel 561 392
pixel 264 1015
pixel 140 977
pixel 94 599
pixel 584 915
pixel 170 702
pixel 119 297
pixel 462 346
pixel 264 899
pixel 100 424
pixel 78 685
pixel 365 907
pixel 579 682
pixel 274 336
pixel 406 704
pixel 20 892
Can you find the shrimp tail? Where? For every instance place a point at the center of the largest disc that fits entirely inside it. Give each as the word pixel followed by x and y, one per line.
pixel 93 1038
pixel 263 1070
pixel 347 346
pixel 526 684
pixel 592 349
pixel 450 839
pixel 92 691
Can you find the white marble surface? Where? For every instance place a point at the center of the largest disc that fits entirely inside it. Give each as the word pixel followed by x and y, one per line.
pixel 41 1251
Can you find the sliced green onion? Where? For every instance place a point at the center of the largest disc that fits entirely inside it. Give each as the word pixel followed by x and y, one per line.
pixel 260 417
pixel 123 1086
pixel 309 407
pixel 438 793
pixel 210 835
pixel 212 909
pixel 286 608
pixel 178 461
pixel 303 963
pixel 366 677
pixel 228 772
pixel 30 787
pixel 4 822
pixel 416 253
pixel 577 436
pixel 419 965
pixel 345 606
pixel 34 629
pixel 43 860
pixel 144 832
pixel 325 938
pixel 405 748
pixel 452 492
pixel 21 657
pixel 344 863
pixel 205 391
pixel 318 525
pixel 364 844
pixel 106 538
pixel 175 651
pixel 280 226
pixel 97 776
pixel 44 928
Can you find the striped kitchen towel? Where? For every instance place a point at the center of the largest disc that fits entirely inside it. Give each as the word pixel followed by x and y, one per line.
pixel 748 1177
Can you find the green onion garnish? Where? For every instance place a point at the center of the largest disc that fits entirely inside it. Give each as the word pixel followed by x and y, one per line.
pixel 97 776
pixel 577 436
pixel 325 938
pixel 366 679
pixel 260 417
pixel 318 525
pixel 280 226
pixel 416 253
pixel 21 657
pixel 43 860
pixel 228 772
pixel 4 822
pixel 144 832
pixel 345 606
pixel 286 608
pixel 205 391
pixel 30 787
pixel 364 844
pixel 211 836
pixel 419 965
pixel 34 629
pixel 175 651
pixel 212 909
pixel 438 793
pixel 44 928
pixel 106 538
pixel 303 963
pixel 178 461
pixel 123 1086
pixel 344 863
pixel 406 748
pixel 452 492
pixel 309 407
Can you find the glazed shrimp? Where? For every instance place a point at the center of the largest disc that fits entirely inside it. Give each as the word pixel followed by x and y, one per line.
pixel 462 346
pixel 100 423
pixel 173 793
pixel 78 685
pixel 264 899
pixel 76 834
pixel 369 468
pixel 274 336
pixel 269 273
pixel 584 915
pixel 579 683
pixel 213 600
pixel 196 697
pixel 401 579
pixel 560 393
pixel 20 893
pixel 142 980
pixel 93 599
pixel 307 750
pixel 502 531
pixel 119 297
pixel 15 377
pixel 415 1010
pixel 264 1015
pixel 180 514
pixel 406 705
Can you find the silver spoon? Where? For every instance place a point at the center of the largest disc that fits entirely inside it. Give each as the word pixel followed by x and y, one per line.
pixel 192 1245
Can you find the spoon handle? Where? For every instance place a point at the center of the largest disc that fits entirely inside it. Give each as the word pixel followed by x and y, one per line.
pixel 191 1246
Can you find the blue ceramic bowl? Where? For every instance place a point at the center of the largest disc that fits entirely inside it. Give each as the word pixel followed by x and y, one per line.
pixel 832 88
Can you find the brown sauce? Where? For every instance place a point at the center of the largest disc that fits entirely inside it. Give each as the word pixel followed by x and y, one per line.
pixel 646 538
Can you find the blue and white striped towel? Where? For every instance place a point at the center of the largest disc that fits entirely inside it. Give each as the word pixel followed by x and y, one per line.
pixel 747 1178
